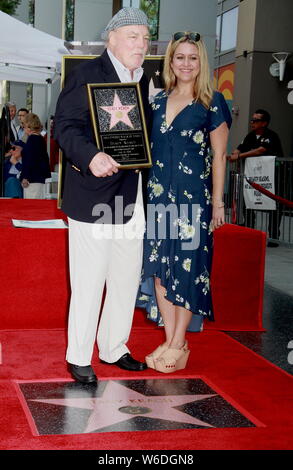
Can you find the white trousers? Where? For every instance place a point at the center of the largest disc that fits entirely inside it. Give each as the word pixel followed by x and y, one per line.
pixel 34 191
pixel 102 255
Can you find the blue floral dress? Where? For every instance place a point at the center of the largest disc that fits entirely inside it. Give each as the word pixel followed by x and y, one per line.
pixel 178 241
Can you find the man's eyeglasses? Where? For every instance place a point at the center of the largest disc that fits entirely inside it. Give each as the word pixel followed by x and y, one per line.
pixel 186 34
pixel 256 120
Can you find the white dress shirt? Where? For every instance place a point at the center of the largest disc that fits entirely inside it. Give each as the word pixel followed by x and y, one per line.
pixel 123 73
pixel 20 132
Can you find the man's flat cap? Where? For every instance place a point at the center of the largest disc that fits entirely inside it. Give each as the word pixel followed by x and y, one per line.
pixel 125 17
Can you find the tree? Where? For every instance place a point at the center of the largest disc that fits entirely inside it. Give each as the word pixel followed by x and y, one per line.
pixel 69 20
pixel 9 6
pixel 31 12
pixel 151 9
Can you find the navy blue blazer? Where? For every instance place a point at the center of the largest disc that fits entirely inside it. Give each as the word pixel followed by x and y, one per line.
pixel 74 133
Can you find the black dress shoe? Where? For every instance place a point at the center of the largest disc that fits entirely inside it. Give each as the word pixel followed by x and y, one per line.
pixel 128 363
pixel 83 374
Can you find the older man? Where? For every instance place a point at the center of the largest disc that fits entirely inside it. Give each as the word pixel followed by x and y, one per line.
pixel 93 179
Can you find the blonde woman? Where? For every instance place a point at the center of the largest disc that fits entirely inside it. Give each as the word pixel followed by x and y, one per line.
pixel 35 160
pixel 185 194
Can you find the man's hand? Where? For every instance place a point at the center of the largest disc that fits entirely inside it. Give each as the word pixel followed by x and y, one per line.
pixel 103 165
pixel 234 155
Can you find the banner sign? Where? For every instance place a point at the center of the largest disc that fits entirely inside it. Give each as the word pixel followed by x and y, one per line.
pixel 260 170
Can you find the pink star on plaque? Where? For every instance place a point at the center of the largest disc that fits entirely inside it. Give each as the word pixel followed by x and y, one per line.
pixel 119 112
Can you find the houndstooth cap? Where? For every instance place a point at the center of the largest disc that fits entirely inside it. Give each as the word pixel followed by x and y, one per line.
pixel 125 17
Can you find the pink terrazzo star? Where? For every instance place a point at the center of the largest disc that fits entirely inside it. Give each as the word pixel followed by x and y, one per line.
pixel 119 112
pixel 120 403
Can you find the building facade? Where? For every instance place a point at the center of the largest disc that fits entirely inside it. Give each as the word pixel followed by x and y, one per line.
pixel 241 36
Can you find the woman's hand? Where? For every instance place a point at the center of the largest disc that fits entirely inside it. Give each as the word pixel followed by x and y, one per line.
pixel 13 160
pixel 218 218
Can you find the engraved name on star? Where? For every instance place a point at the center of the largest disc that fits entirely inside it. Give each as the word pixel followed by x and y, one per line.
pixel 119 112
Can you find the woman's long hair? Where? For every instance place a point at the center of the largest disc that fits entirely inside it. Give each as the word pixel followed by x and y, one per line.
pixel 203 89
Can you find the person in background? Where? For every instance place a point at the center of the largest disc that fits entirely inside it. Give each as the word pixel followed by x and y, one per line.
pixel 11 171
pixel 22 112
pixel 54 147
pixel 188 118
pixel 35 160
pixel 261 140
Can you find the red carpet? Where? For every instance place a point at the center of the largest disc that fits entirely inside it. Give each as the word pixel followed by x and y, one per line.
pixel 35 283
pixel 34 303
pixel 259 390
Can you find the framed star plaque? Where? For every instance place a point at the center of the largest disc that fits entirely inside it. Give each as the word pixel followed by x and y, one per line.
pixel 119 123
pixel 153 68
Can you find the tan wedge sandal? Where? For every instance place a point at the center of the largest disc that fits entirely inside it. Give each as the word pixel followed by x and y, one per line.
pixel 172 360
pixel 151 358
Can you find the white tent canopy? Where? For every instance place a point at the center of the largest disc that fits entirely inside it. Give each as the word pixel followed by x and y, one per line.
pixel 27 54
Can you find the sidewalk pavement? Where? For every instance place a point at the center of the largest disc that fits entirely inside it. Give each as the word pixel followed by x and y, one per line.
pixel 279 268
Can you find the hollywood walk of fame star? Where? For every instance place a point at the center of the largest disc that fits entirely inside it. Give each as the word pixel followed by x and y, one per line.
pixel 152 90
pixel 119 403
pixel 119 112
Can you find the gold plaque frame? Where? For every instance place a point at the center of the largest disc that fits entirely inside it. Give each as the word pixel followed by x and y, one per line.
pixel 127 145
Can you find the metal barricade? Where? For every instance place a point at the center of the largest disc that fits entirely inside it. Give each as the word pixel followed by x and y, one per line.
pixel 237 202
pixel 278 223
